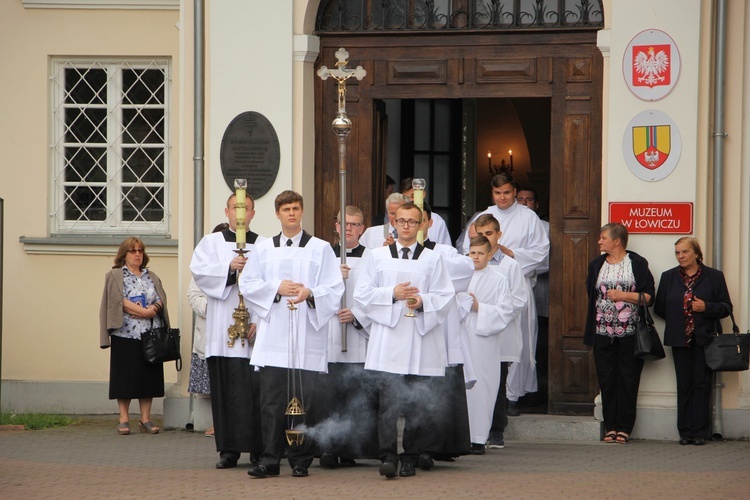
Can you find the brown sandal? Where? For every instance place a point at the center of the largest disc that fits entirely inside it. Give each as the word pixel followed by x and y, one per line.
pixel 610 437
pixel 622 438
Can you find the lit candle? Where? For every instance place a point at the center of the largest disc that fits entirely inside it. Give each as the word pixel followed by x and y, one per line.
pixel 240 211
pixel 418 186
pixel 489 160
pixel 510 152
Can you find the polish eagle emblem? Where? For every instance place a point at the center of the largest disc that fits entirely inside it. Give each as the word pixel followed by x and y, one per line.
pixel 651 65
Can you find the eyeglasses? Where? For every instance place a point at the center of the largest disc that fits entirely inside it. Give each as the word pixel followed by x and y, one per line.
pixel 136 250
pixel 353 224
pixel 408 223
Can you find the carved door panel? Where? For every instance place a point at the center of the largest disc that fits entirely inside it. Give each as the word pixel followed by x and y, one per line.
pixel 574 223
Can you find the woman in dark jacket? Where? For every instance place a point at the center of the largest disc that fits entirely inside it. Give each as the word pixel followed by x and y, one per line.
pixel 614 282
pixel 692 297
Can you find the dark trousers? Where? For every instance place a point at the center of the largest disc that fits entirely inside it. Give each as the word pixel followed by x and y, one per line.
pixel 346 400
pixel 500 414
pixel 426 414
pixel 619 374
pixel 391 393
pixel 693 391
pixel 274 398
pixel 235 406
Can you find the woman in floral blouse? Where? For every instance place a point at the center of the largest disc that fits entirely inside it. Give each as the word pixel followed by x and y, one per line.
pixel 133 297
pixel 614 282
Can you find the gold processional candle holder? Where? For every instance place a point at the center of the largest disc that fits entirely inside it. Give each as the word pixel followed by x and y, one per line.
pixel 241 327
pixel 410 303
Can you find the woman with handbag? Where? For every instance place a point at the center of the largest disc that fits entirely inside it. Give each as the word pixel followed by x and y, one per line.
pixel 691 298
pixel 615 280
pixel 132 299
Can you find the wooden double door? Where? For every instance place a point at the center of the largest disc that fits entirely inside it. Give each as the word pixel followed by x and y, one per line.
pixel 565 68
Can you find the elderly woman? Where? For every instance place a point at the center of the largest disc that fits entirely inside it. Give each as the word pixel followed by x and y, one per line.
pixel 615 280
pixel 133 297
pixel 692 297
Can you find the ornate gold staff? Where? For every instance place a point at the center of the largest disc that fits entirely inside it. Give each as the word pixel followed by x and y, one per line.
pixel 342 125
pixel 295 409
pixel 240 328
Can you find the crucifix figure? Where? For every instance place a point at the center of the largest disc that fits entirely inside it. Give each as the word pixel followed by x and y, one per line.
pixel 341 74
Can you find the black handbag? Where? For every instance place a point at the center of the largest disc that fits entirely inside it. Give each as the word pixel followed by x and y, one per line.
pixel 162 344
pixel 648 345
pixel 728 352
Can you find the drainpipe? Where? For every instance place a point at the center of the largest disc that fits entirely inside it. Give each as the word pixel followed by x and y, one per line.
pixel 718 191
pixel 199 120
pixel 2 229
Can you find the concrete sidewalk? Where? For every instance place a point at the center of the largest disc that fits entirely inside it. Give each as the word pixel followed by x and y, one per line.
pixel 89 460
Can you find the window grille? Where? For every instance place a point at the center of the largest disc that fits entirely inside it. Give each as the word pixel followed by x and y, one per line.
pixel 385 16
pixel 110 148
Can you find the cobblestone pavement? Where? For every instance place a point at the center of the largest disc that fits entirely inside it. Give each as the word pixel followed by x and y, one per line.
pixel 89 460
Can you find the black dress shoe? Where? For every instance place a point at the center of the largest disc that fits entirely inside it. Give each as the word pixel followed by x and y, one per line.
pixel 263 471
pixel 684 441
pixel 407 469
pixel 699 442
pixel 226 463
pixel 329 461
pixel 299 471
pixel 477 449
pixel 513 410
pixel 388 469
pixel 425 461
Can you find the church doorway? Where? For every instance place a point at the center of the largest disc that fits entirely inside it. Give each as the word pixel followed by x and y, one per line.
pixel 551 81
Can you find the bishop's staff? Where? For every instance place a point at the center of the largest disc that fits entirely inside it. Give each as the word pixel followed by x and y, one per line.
pixel 342 125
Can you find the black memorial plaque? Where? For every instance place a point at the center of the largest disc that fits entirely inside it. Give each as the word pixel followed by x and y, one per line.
pixel 250 150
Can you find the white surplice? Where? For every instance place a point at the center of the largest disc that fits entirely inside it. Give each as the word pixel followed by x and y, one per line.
pixel 401 345
pixel 316 267
pixel 356 339
pixel 485 331
pixel 375 236
pixel 460 268
pixel 524 234
pixel 210 268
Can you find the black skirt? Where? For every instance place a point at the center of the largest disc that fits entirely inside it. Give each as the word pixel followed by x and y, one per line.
pixel 130 375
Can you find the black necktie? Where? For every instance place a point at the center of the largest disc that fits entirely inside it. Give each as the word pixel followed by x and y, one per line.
pixel 288 243
pixel 405 252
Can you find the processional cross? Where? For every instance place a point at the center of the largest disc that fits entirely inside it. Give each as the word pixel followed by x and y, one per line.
pixel 342 125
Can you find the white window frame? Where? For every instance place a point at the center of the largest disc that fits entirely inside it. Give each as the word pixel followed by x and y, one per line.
pixel 113 224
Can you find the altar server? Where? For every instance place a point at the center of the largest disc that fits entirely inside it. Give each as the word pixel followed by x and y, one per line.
pixel 234 387
pixel 292 268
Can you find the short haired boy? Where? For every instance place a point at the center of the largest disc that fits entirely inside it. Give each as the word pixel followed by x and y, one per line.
pixel 487 310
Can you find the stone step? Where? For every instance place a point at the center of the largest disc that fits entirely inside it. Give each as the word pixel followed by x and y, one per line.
pixel 530 427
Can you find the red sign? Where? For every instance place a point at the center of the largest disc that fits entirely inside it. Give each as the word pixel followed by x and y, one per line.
pixel 652 65
pixel 653 218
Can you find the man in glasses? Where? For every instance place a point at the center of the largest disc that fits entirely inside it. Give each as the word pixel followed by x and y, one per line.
pixel 405 291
